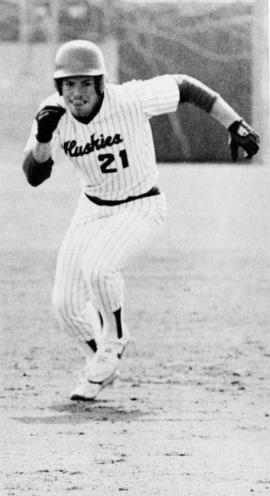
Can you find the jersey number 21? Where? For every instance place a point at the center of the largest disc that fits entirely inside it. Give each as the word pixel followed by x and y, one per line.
pixel 107 159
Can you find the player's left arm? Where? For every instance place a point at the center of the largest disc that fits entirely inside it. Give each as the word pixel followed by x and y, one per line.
pixel 240 133
pixel 36 171
pixel 38 162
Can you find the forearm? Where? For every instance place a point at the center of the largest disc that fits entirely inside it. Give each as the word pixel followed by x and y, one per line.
pixel 224 113
pixel 41 151
pixel 193 91
pixel 46 121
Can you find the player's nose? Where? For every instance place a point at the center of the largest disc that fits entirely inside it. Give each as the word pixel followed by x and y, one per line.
pixel 77 90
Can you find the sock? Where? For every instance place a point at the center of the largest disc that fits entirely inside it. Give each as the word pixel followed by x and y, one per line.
pixel 118 319
pixel 92 345
pixel 112 322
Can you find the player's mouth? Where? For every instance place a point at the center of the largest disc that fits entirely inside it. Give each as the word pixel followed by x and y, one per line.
pixel 81 106
pixel 78 103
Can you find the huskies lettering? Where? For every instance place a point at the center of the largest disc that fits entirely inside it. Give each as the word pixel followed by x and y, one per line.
pixel 73 150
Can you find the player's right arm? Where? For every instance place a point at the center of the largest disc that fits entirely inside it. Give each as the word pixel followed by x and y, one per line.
pixel 162 94
pixel 241 135
pixel 37 163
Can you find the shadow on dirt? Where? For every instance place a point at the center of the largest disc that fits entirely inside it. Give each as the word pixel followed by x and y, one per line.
pixel 80 413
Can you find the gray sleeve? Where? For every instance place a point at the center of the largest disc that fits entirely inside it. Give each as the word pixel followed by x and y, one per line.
pixel 36 172
pixel 193 91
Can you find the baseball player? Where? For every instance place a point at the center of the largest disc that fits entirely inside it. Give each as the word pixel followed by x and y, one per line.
pixel 104 130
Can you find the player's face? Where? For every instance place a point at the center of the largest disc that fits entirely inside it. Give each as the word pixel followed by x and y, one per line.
pixel 80 95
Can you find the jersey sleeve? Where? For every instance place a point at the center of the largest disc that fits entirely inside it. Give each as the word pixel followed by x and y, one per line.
pixel 54 99
pixel 159 95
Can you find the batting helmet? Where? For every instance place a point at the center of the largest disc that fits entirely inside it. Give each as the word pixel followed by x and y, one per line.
pixel 79 58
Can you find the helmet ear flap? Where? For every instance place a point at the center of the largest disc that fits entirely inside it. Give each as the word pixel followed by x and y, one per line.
pixel 99 84
pixel 58 85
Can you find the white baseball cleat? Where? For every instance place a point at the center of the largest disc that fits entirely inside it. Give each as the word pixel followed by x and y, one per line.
pixel 106 361
pixel 101 370
pixel 87 390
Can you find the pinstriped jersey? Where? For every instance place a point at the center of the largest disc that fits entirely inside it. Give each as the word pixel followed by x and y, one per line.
pixel 114 153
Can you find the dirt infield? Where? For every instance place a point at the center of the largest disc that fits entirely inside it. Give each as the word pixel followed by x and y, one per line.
pixel 190 413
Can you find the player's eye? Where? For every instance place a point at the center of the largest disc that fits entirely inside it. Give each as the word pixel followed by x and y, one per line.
pixel 88 82
pixel 68 84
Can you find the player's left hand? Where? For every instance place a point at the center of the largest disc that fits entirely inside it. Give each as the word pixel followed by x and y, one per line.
pixel 242 135
pixel 47 120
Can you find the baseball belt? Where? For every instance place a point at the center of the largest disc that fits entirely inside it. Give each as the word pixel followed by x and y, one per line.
pixel 111 203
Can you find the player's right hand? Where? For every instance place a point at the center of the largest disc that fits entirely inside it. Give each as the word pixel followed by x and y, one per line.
pixel 243 136
pixel 47 120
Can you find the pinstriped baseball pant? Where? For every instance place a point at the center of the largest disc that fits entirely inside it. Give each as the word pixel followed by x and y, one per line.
pixel 99 243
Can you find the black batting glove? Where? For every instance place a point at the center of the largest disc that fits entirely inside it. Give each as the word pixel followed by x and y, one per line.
pixel 242 135
pixel 47 121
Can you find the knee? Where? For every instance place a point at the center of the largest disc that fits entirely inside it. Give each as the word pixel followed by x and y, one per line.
pixel 97 275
